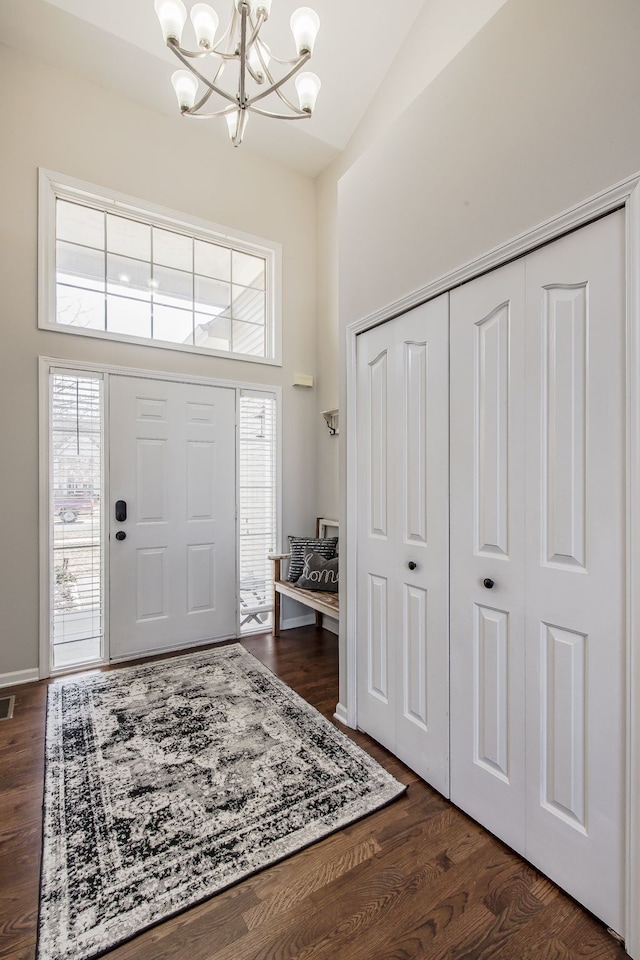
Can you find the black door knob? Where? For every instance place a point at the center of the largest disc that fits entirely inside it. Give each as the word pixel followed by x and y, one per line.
pixel 412 565
pixel 489 584
pixel 121 535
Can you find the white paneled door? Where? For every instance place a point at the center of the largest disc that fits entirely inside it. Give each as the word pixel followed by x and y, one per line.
pixel 575 564
pixel 402 586
pixel 173 559
pixel 538 559
pixel 488 551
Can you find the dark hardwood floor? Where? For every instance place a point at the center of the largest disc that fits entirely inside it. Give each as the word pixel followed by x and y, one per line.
pixel 416 879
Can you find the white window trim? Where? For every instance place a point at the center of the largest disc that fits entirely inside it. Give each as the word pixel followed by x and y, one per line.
pixel 52 186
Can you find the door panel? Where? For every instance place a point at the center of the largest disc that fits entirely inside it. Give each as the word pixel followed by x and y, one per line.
pixel 172 459
pixel 402 519
pixel 487 543
pixel 491 435
pixel 564 422
pixel 575 565
pixel 491 690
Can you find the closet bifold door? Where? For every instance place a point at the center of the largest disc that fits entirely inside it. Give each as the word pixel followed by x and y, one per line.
pixel 403 538
pixel 575 564
pixel 488 552
pixel 538 559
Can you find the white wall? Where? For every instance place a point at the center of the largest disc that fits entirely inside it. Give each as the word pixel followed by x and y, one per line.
pixel 52 119
pixel 536 114
pixel 441 30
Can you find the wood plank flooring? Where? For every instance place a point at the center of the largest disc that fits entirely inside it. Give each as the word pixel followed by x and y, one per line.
pixel 418 879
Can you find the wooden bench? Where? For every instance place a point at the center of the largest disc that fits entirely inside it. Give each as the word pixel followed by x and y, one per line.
pixel 321 601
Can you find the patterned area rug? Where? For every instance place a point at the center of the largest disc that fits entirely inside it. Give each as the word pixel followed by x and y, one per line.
pixel 169 781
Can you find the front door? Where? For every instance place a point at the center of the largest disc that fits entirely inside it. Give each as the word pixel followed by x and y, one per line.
pixel 173 559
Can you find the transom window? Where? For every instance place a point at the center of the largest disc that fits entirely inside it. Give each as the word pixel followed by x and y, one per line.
pixel 121 272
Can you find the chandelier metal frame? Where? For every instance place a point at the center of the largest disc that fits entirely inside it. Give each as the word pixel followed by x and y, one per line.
pixel 237 43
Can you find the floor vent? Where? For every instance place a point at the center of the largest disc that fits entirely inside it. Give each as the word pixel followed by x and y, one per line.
pixel 6 707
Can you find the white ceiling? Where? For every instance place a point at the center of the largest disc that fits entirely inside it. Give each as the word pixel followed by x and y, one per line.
pixel 119 45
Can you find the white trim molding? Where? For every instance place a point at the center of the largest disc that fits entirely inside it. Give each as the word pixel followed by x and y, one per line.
pixel 17 678
pixel 341 714
pixel 623 195
pixel 632 926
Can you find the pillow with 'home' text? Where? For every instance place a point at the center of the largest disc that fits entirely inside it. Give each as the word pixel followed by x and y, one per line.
pixel 319 573
pixel 297 546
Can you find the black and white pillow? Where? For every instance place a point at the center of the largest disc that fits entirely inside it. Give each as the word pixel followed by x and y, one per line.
pixel 318 573
pixel 297 545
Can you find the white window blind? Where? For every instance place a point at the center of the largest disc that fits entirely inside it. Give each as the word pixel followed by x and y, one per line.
pixel 76 451
pixel 258 509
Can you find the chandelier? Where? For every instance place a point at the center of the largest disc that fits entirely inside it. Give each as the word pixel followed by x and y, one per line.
pixel 240 45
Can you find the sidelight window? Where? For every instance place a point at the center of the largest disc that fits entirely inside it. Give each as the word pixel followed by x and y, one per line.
pixel 257 507
pixel 75 528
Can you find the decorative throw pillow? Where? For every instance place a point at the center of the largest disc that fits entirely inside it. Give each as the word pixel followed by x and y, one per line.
pixel 318 573
pixel 298 545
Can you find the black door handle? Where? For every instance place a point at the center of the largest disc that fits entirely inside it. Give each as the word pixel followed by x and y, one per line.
pixel 121 535
pixel 489 584
pixel 412 565
pixel 121 511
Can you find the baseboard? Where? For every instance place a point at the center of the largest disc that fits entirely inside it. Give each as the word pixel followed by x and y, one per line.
pixel 306 620
pixel 341 714
pixel 330 624
pixel 18 677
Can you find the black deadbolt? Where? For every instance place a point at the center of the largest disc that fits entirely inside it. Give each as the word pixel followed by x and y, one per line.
pixel 121 510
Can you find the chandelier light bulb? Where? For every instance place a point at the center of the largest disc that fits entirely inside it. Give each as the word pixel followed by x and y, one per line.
pixel 237 123
pixel 205 23
pixel 186 88
pixel 308 88
pixel 305 24
pixel 255 61
pixel 232 122
pixel 264 7
pixel 172 15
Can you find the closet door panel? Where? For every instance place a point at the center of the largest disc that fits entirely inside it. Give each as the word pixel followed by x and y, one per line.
pixel 421 488
pixel 378 610
pixel 575 570
pixel 403 538
pixel 487 551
